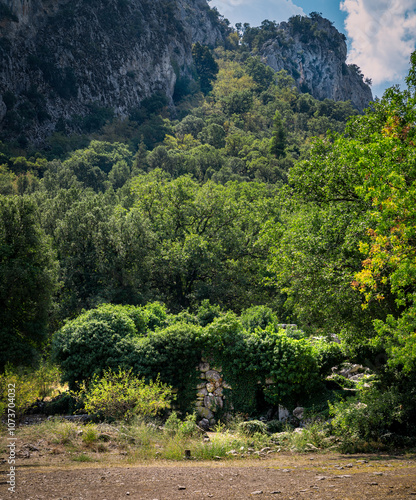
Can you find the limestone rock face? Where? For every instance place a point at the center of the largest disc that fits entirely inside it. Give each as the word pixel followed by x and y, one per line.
pixel 64 60
pixel 59 57
pixel 315 53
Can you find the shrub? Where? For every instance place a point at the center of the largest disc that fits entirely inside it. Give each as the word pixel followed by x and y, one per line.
pixel 155 315
pixel 89 434
pixel 249 358
pixel 313 437
pixel 258 317
pixel 25 390
pixel 29 385
pixel 95 341
pixel 207 312
pixel 65 403
pixel 274 426
pixel 114 337
pixel 172 424
pixel 185 428
pixel 252 427
pixel 368 415
pixel 103 338
pixel 47 377
pixel 121 395
pixel 341 381
pixel 291 364
pixel 147 318
pixel 328 354
pixel 172 353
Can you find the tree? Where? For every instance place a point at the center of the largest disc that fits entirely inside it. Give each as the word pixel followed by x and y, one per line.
pixel 206 242
pixel 97 340
pixel 262 75
pixel 206 66
pixel 278 141
pixel 92 165
pixel 28 280
pixel 103 250
pixel 238 102
pixel 387 140
pixel 354 229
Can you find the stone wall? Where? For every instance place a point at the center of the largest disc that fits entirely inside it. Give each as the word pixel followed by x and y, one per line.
pixel 210 396
pixel 210 393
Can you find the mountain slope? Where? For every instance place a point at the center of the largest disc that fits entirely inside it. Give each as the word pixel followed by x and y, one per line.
pixel 59 57
pixel 69 65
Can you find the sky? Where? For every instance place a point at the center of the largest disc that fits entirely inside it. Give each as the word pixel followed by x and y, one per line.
pixel 381 34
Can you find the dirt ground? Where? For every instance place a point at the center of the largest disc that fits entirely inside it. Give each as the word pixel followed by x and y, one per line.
pixel 282 476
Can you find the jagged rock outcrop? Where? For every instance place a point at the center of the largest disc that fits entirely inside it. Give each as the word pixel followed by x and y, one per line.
pixel 314 52
pixel 60 57
pixel 63 62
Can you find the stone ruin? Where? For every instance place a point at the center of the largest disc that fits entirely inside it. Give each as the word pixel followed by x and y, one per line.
pixel 210 393
pixel 210 397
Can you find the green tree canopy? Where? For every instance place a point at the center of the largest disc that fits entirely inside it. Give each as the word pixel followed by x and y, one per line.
pixel 28 279
pixel 352 228
pixel 206 66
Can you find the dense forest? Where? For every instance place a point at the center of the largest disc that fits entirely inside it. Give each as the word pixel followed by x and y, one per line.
pixel 245 205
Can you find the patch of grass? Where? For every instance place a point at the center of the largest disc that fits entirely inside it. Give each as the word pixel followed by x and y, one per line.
pixel 82 457
pixel 142 440
pixel 312 438
pixel 146 441
pixel 174 449
pixel 54 431
pixel 90 434
pixel 219 445
pixel 63 433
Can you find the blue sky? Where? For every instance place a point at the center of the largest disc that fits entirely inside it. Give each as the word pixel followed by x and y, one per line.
pixel 381 34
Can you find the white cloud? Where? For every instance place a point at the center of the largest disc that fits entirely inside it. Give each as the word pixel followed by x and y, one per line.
pixel 382 34
pixel 254 12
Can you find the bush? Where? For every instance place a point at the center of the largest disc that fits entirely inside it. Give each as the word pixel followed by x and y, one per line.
pixel 368 415
pixel 274 426
pixel 172 353
pixel 207 312
pixel 292 366
pixel 328 354
pixel 258 317
pixel 313 437
pixel 24 386
pixel 102 338
pixel 153 315
pixel 47 377
pixel 186 428
pixel 263 365
pixel 252 427
pixel 95 341
pixel 121 395
pixel 29 386
pixel 65 403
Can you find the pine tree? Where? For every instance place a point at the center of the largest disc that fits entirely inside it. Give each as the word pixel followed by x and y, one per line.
pixel 278 140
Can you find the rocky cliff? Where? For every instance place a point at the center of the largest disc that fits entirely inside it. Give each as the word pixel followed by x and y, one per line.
pixel 315 53
pixel 61 58
pixel 65 61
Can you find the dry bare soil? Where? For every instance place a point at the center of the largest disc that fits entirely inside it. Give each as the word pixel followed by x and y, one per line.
pixel 280 476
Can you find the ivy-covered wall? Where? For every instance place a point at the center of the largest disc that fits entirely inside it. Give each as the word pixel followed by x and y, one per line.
pixel 217 362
